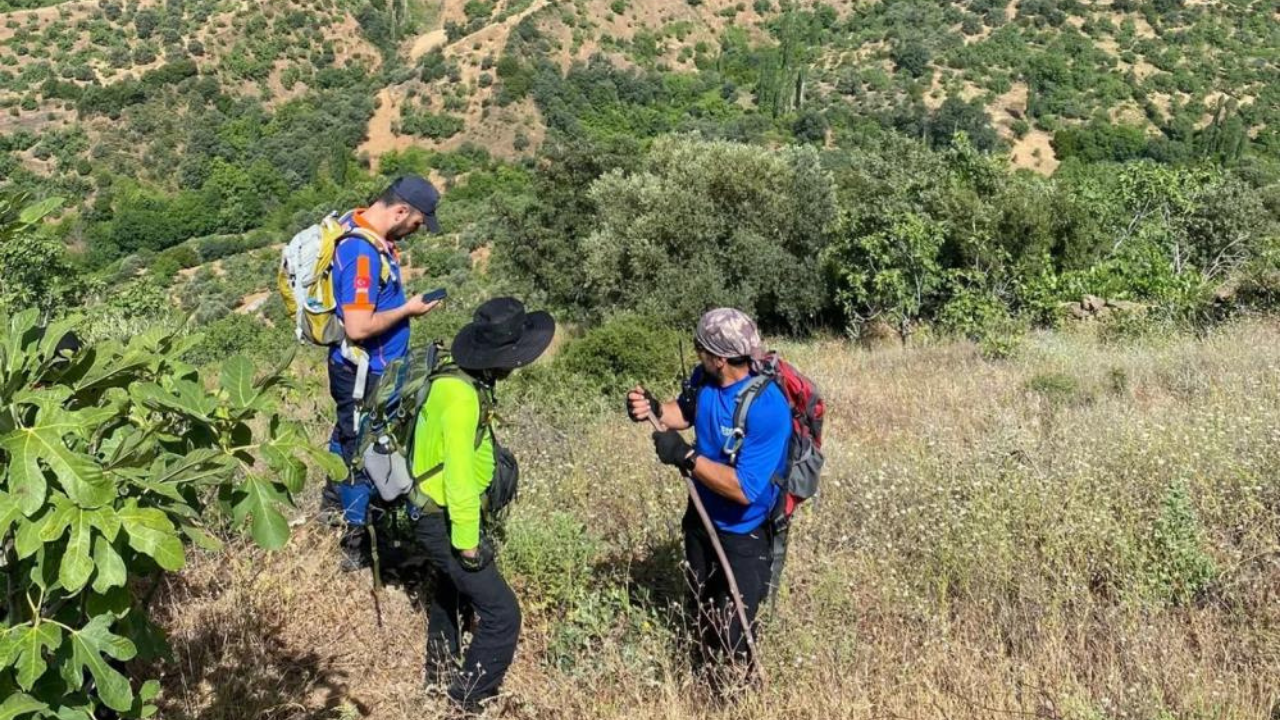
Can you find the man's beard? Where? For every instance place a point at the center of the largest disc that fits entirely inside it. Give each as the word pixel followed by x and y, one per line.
pixel 399 232
pixel 713 373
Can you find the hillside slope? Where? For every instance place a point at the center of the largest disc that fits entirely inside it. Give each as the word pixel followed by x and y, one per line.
pixel 985 546
pixel 1033 65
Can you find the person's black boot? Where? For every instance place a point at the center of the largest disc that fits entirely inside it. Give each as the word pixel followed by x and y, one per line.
pixel 354 547
pixel 330 512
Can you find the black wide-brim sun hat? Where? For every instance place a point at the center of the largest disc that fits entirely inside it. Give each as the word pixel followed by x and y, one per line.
pixel 502 336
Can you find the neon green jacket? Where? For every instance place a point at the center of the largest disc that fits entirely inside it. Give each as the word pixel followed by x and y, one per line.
pixel 446 433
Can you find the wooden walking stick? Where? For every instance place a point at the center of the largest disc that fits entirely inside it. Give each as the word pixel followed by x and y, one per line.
pixel 754 658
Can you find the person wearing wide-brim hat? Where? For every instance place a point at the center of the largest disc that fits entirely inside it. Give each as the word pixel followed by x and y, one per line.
pixel 461 472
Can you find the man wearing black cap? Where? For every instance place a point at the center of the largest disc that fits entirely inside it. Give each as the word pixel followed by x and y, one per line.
pixel 375 312
pixel 454 465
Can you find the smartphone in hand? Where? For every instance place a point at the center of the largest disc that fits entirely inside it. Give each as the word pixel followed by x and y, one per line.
pixel 434 295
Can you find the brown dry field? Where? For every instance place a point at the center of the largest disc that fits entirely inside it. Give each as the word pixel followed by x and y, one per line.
pixel 993 541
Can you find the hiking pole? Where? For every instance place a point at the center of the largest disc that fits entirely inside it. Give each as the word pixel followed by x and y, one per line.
pixel 377 574
pixel 724 563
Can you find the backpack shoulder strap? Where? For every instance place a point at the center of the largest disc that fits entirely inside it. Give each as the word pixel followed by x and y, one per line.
pixel 433 361
pixel 376 242
pixel 742 405
pixel 483 396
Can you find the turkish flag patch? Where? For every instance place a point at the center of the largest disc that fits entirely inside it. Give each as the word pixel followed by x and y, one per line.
pixel 362 283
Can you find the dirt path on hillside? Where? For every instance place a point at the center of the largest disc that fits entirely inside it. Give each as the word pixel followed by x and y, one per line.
pixel 495 36
pixel 424 44
pixel 253 302
pixel 380 136
pixel 1035 152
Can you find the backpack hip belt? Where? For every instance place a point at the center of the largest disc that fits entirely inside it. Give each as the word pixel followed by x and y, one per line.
pixel 423 502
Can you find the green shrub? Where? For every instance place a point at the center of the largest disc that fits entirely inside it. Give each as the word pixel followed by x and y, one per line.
pixel 891 274
pixel 1057 389
pixel 972 309
pixel 1178 568
pixel 553 556
pixel 978 314
pixel 1002 341
pixel 144 297
pixel 912 57
pixel 184 256
pixel 706 224
pixel 1123 327
pixel 477 10
pixel 432 125
pixel 625 350
pixel 33 262
pixel 237 334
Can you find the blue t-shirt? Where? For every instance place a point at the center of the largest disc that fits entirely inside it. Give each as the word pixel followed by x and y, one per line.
pixel 357 283
pixel 762 456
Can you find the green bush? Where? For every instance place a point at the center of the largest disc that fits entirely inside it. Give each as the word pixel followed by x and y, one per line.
pixel 432 125
pixel 1178 568
pixel 912 57
pixel 975 312
pixel 555 556
pixel 711 223
pixel 237 334
pixel 183 256
pixel 892 274
pixel 625 350
pixel 1124 327
pixel 145 297
pixel 1056 389
pixel 33 261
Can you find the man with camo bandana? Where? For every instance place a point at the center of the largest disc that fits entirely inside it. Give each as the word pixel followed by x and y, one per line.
pixel 736 488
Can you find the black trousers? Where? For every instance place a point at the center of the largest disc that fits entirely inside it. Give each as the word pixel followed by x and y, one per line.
pixel 461 597
pixel 720 632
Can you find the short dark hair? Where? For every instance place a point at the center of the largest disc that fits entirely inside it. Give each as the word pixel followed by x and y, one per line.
pixel 389 197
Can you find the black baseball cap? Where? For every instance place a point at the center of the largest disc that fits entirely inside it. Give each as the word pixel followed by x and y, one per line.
pixel 421 195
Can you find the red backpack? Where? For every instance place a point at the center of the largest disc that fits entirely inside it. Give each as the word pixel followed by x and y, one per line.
pixel 808 410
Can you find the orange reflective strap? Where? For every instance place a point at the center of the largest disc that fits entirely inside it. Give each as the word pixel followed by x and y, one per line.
pixel 363 283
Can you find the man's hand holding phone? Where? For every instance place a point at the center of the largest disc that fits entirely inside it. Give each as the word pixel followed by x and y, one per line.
pixel 418 305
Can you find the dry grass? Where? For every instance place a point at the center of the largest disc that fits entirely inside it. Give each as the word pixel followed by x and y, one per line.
pixel 990 544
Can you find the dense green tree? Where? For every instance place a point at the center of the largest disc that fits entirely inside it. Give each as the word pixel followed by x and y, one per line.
pixel 911 57
pixel 891 275
pixel 33 262
pixel 538 238
pixel 957 116
pixel 810 127
pixel 705 223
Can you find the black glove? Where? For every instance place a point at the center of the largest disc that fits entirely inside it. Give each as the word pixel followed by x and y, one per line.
pixel 484 556
pixel 673 450
pixel 655 408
